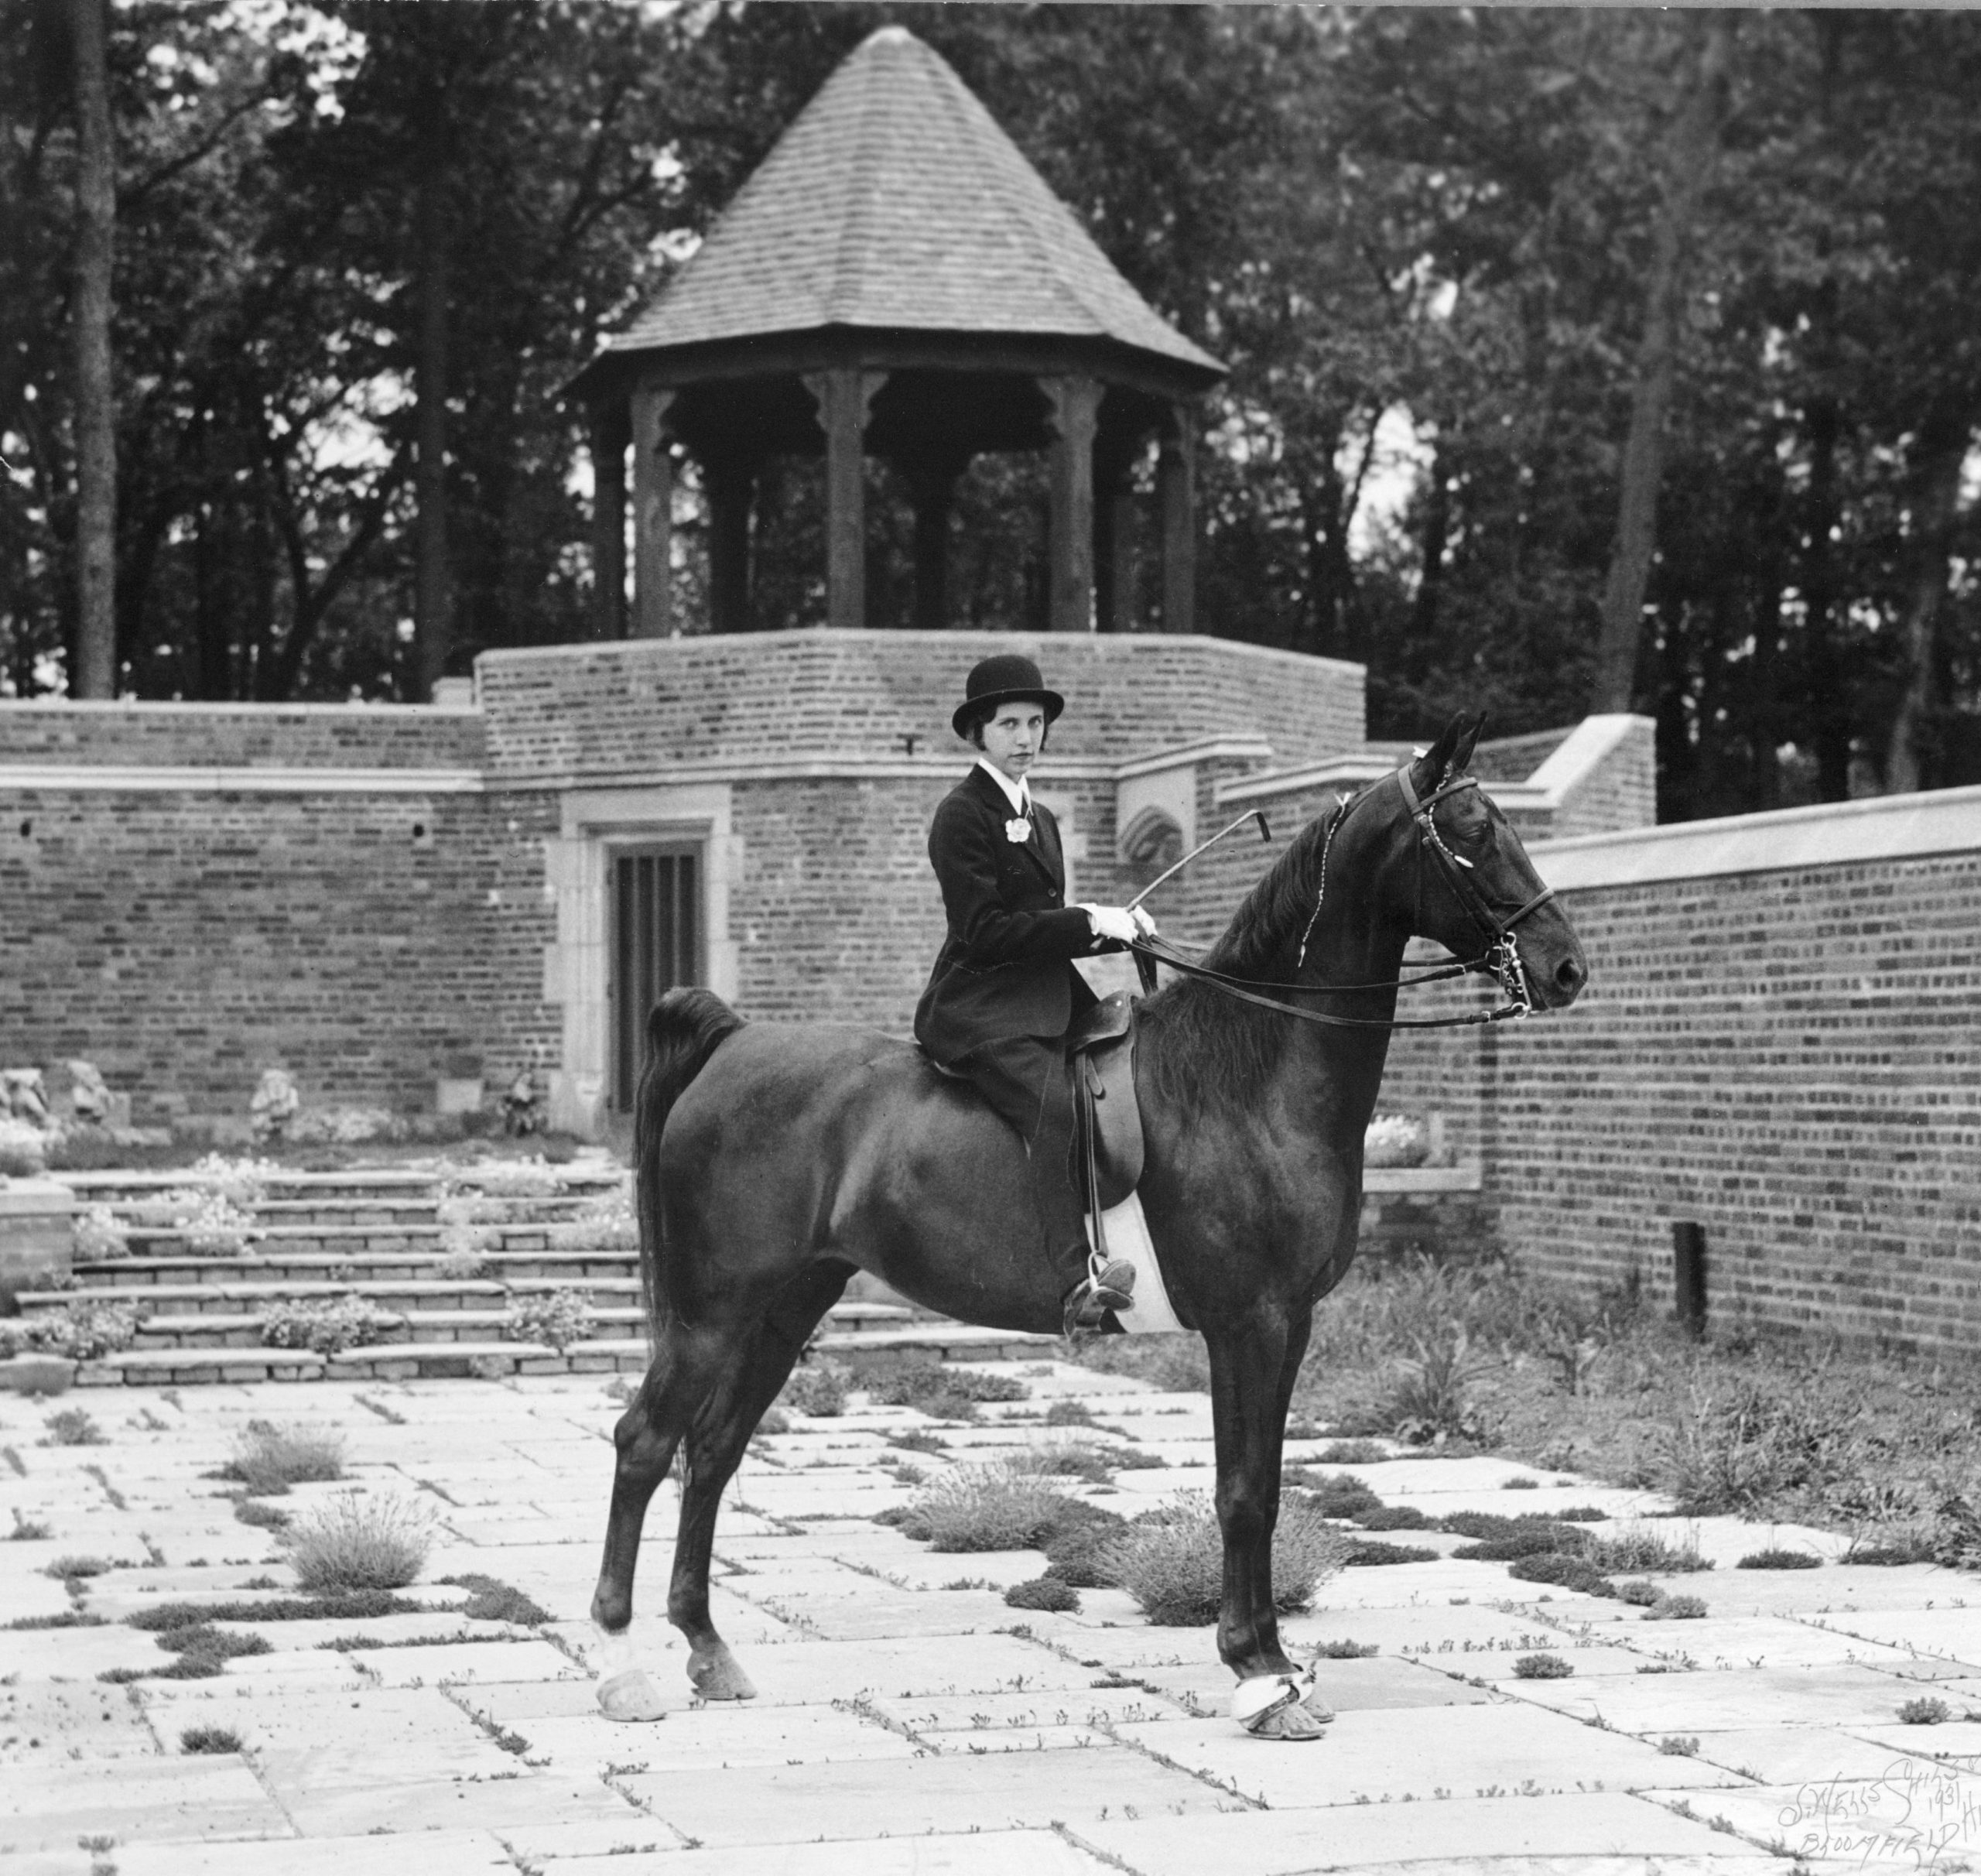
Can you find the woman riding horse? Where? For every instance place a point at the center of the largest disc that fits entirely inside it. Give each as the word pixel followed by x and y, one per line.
pixel 776 1159
pixel 1004 991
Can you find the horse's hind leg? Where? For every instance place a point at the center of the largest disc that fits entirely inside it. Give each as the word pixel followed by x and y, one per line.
pixel 646 1438
pixel 715 1446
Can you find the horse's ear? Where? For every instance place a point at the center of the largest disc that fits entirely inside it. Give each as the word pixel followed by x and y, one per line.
pixel 1448 755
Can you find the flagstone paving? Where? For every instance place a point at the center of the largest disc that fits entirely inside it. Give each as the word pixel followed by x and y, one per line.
pixel 909 1722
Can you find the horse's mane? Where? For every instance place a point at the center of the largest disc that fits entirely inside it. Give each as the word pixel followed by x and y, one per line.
pixel 1207 1050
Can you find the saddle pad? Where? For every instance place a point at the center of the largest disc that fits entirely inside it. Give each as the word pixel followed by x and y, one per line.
pixel 1128 1236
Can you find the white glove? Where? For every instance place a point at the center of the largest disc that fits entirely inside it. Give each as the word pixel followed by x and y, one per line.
pixel 1113 922
pixel 1143 920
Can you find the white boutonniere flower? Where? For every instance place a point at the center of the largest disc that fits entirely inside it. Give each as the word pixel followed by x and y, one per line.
pixel 1018 829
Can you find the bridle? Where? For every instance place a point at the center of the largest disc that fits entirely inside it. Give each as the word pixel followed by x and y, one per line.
pixel 1499 959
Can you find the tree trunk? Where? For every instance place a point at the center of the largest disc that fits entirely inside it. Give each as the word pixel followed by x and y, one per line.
pixel 1942 449
pixel 431 596
pixel 1688 160
pixel 95 670
pixel 1829 701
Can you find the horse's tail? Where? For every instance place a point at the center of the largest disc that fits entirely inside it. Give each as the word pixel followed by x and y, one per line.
pixel 686 1028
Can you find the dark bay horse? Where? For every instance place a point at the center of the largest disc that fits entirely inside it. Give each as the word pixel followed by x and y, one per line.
pixel 774 1161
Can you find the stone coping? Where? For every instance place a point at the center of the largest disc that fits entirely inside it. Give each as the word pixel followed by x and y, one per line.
pixel 35 1198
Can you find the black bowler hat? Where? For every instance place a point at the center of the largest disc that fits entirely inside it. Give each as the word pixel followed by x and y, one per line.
pixel 998 680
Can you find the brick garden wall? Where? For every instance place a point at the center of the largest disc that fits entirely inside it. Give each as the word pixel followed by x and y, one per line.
pixel 184 936
pixel 610 711
pixel 1790 1056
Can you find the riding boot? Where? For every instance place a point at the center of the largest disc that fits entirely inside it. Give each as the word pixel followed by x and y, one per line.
pixel 1095 1288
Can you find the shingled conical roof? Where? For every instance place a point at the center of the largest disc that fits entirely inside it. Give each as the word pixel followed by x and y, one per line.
pixel 895 201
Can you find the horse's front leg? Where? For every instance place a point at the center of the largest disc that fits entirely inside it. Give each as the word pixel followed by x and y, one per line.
pixel 1253 1370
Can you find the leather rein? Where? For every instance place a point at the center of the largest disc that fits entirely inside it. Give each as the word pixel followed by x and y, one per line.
pixel 1500 958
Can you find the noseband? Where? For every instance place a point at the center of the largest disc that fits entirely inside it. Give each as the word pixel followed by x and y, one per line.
pixel 1499 959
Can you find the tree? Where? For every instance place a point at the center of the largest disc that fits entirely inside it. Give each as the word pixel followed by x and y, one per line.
pixel 96 397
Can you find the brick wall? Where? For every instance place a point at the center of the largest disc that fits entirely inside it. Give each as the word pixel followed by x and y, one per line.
pixel 239 735
pixel 185 941
pixel 1789 1056
pixel 633 707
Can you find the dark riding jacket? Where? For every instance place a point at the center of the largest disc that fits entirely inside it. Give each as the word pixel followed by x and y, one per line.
pixel 1006 968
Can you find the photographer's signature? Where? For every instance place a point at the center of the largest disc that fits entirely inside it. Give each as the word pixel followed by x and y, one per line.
pixel 1916 1812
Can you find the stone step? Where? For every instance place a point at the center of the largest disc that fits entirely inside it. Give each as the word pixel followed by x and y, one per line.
pixel 329 1266
pixel 937 1338
pixel 213 1331
pixel 582 1177
pixel 404 1361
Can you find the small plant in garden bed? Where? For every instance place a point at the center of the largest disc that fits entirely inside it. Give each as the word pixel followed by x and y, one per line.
pixel 493 1600
pixel 98 1236
pixel 1774 1558
pixel 937 1387
pixel 1347 1650
pixel 72 1427
pixel 207 1224
pixel 1537 1540
pixel 263 1517
pixel 269 1459
pixel 990 1507
pixel 1565 1572
pixel 209 1739
pixel 1542 1667
pixel 1350 1453
pixel 329 1325
pixel 356 1542
pixel 1173 1563
pixel 818 1389
pixel 557 1317
pixel 331 1605
pixel 83 1331
pixel 1674 1747
pixel 1341 1496
pixel 775 1420
pixel 240 1179
pixel 1675 1609
pixel 1052 1594
pixel 605 1222
pixel 1063 1458
pixel 1080 1556
pixel 1639 1594
pixel 1070 1413
pixel 1369 1553
pixel 26 1530
pixel 1924 1711
pixel 70 1570
pixel 918 1439
pixel 1395 1518
pixel 1638 1547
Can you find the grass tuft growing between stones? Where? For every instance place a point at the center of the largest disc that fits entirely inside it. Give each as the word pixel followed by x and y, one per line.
pixel 269 1459
pixel 493 1600
pixel 209 1739
pixel 1542 1667
pixel 995 1507
pixel 817 1390
pixel 1172 1562
pixel 353 1541
pixel 72 1427
pixel 1052 1594
pixel 1774 1558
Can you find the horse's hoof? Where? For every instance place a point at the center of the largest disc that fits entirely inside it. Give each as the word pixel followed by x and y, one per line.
pixel 717 1677
pixel 1280 1706
pixel 1290 1722
pixel 631 1695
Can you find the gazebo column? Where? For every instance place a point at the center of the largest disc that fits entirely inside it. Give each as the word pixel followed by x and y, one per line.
pixel 611 430
pixel 1176 494
pixel 1076 410
pixel 653 516
pixel 730 480
pixel 843 397
pixel 1114 534
pixel 932 487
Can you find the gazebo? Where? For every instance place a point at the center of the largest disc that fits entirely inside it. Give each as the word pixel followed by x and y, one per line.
pixel 895 279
